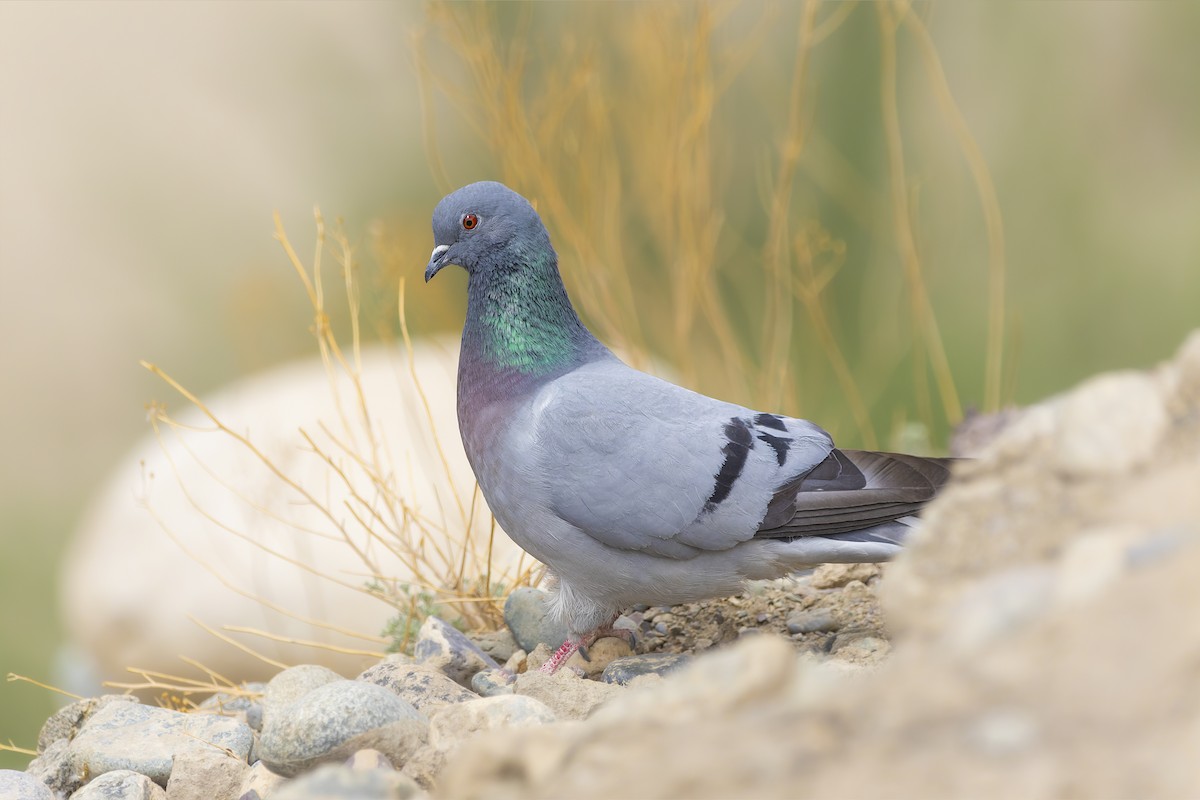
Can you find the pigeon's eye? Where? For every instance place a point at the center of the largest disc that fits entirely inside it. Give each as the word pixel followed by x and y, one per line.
pixel 469 221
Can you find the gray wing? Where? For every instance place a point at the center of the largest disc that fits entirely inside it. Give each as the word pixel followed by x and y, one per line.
pixel 641 464
pixel 852 490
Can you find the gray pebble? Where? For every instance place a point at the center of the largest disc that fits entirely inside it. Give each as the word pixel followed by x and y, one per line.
pixel 422 686
pixel 500 644
pixel 53 768
pixel 622 670
pixel 442 646
pixel 492 682
pixel 293 683
pixel 146 739
pixel 527 614
pixel 121 784
pixel 206 775
pixel 333 721
pixel 817 621
pixel 19 786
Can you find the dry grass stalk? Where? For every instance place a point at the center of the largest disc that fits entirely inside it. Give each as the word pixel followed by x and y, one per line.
pixel 545 125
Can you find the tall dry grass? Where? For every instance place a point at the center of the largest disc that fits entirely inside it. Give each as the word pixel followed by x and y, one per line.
pixel 621 130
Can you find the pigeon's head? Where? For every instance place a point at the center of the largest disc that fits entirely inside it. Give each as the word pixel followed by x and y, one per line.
pixel 484 224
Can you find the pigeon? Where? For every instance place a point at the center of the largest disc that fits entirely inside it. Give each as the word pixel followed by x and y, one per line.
pixel 629 488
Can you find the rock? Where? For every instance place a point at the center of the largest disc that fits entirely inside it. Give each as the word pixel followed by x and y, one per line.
pixel 492 682
pixel 1110 425
pixel 602 653
pixel 831 576
pixel 369 759
pixel 450 726
pixel 751 677
pixel 259 782
pixel 147 739
pixel 814 621
pixel 527 614
pixel 425 766
pixel 246 707
pixel 206 775
pixel 293 683
pixel 422 686
pixel 500 644
pixel 517 662
pixel 623 670
pixel 540 655
pixel 55 769
pixel 16 785
pixel 121 784
pixel 567 695
pixel 126 585
pixel 333 721
pixel 998 604
pixel 67 721
pixel 399 658
pixel 341 782
pixel 443 647
pixel 859 647
pixel 1092 562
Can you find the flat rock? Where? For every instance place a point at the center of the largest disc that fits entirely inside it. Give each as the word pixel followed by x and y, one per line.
pixel 121 784
pixel 527 614
pixel 341 782
pixel 333 721
pixel 67 721
pixel 53 768
pixel 16 785
pixel 450 726
pixel 206 775
pixel 566 694
pixel 147 739
pixel 623 670
pixel 423 686
pixel 445 648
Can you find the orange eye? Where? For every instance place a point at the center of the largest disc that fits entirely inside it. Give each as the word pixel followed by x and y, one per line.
pixel 469 221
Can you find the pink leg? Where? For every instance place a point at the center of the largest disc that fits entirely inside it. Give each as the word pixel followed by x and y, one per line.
pixel 564 652
pixel 580 644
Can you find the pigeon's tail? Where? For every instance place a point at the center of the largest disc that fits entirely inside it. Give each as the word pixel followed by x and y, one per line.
pixel 856 505
pixel 869 545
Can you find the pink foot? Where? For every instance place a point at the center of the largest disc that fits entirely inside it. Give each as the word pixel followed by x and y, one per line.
pixel 580 645
pixel 564 652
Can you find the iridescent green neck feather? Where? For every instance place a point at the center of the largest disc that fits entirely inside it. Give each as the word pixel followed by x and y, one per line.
pixel 520 324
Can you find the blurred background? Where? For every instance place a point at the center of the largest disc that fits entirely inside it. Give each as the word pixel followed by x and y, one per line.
pixel 874 216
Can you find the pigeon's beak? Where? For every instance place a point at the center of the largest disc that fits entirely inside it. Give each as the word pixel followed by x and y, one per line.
pixel 437 260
